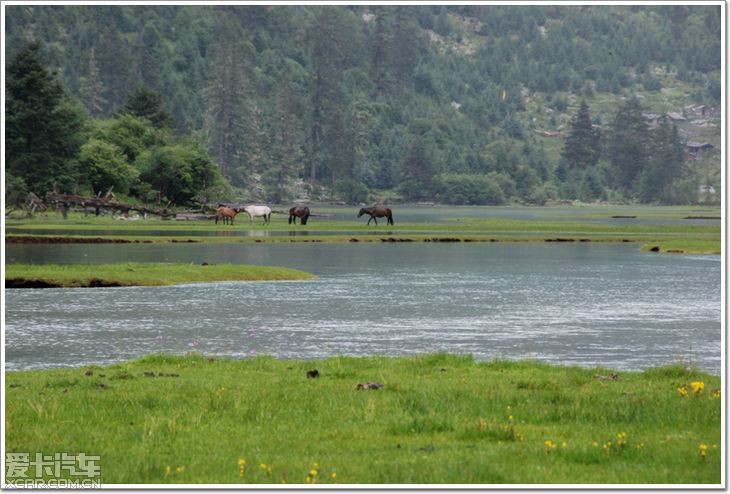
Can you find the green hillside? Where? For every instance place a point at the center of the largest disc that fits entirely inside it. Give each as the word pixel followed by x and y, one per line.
pixel 455 104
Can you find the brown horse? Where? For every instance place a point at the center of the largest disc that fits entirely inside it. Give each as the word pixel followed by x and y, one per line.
pixel 225 214
pixel 377 212
pixel 301 212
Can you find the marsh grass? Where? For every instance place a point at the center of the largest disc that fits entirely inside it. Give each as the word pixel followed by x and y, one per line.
pixel 588 223
pixel 438 419
pixel 145 274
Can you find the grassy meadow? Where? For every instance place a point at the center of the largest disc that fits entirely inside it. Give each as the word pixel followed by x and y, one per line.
pixel 437 419
pixel 142 274
pixel 670 229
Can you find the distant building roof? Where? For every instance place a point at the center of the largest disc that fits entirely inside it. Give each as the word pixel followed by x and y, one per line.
pixel 699 145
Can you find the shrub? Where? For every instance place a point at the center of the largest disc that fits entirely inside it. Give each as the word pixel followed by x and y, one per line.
pixel 471 189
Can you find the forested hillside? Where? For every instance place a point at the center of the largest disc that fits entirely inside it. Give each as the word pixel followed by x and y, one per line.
pixel 456 104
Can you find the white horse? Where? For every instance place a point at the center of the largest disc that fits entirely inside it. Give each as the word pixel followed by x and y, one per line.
pixel 253 211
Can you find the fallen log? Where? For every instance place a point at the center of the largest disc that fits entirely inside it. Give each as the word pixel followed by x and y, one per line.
pixel 65 201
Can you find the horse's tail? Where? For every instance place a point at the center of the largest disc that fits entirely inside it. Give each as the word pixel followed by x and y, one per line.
pixel 390 216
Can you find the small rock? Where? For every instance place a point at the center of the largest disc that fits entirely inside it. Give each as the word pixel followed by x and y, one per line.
pixel 369 385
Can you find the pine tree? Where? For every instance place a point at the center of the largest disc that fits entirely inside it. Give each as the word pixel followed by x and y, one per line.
pixel 42 126
pixel 229 99
pixel 326 41
pixel 286 144
pixel 94 88
pixel 151 57
pixel 628 144
pixel 664 165
pixel 582 148
pixel 148 104
pixel 405 46
pixel 113 53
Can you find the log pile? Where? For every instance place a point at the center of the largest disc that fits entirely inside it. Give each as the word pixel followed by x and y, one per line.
pixel 63 202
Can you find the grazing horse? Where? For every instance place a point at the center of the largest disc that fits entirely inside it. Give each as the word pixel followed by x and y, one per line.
pixel 299 211
pixel 264 211
pixel 377 212
pixel 225 214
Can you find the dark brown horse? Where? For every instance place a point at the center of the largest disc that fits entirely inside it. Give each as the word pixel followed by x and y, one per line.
pixel 301 212
pixel 377 212
pixel 225 214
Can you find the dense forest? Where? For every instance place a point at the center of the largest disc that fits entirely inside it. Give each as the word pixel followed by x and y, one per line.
pixel 463 104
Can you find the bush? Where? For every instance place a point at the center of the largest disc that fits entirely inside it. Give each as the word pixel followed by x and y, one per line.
pixel 103 166
pixel 352 191
pixel 179 172
pixel 470 189
pixel 15 190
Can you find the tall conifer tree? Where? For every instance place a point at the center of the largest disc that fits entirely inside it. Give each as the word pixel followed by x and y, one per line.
pixel 42 126
pixel 582 148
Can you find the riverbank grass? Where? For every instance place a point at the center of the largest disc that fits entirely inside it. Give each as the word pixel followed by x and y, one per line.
pixel 433 419
pixel 671 229
pixel 140 274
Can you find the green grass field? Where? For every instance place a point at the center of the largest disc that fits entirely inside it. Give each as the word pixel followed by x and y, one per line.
pixel 142 274
pixel 438 419
pixel 584 223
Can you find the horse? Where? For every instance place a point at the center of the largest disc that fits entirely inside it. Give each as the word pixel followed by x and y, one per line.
pixel 377 212
pixel 253 211
pixel 225 214
pixel 299 211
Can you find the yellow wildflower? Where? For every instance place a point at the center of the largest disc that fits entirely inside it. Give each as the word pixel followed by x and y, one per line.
pixel 179 469
pixel 682 390
pixel 697 387
pixel 168 470
pixel 716 393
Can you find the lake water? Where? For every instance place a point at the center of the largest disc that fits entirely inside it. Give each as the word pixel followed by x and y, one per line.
pixel 592 305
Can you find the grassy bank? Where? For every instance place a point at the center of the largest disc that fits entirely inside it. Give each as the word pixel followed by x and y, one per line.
pixel 140 274
pixel 671 229
pixel 436 419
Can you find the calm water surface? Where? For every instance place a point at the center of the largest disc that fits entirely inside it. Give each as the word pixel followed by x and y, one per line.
pixel 586 304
